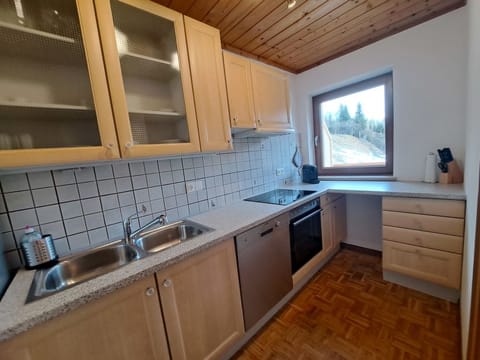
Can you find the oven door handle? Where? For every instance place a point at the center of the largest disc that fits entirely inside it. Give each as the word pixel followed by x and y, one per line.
pixel 316 212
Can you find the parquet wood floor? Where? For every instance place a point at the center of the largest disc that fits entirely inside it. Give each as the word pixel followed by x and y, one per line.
pixel 347 311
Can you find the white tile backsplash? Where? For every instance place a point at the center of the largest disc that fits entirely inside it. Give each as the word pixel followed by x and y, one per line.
pixel 40 179
pixel 86 206
pixel 106 187
pixel 151 167
pixel 44 196
pixel 22 218
pixel 123 184
pixel 48 214
pixel 109 202
pixel 104 172
pixel 19 200
pixel 3 207
pixel 137 168
pixel 71 209
pixel 88 189
pixel 64 177
pixel 94 221
pixel 78 242
pixel 121 170
pixel 56 229
pixel 98 236
pixel 75 225
pixel 84 174
pixel 15 182
pixel 67 193
pixel 92 205
pixel 139 181
pixel 126 198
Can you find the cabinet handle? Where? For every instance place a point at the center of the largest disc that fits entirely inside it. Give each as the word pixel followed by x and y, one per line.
pixel 277 223
pixel 235 120
pixel 150 291
pixel 167 283
pixel 259 121
pixel 109 146
pixel 128 145
pixel 229 141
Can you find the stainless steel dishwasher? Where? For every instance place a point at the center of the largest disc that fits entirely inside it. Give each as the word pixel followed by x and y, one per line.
pixel 264 266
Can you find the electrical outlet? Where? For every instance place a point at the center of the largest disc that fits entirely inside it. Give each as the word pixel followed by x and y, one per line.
pixel 190 186
pixel 193 186
pixel 280 171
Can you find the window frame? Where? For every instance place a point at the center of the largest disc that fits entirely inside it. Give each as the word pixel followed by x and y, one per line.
pixel 387 169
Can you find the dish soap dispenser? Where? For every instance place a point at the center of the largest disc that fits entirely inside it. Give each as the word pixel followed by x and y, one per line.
pixel 38 250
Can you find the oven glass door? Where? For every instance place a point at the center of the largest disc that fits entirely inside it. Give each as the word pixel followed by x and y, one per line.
pixel 305 238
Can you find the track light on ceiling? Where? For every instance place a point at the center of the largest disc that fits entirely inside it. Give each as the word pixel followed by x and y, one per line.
pixel 291 3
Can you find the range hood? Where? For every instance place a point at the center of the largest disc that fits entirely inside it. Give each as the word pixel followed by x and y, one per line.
pixel 239 133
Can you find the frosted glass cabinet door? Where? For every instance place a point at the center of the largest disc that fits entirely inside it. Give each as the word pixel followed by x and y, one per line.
pixel 54 101
pixel 148 72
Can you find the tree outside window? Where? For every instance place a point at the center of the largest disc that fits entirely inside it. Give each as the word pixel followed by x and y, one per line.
pixel 354 128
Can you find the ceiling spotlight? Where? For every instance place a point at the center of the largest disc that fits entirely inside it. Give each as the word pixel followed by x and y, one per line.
pixel 291 3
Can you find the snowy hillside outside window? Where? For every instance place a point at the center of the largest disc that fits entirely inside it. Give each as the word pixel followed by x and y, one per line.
pixel 354 128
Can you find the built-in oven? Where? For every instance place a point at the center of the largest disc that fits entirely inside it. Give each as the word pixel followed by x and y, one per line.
pixel 305 233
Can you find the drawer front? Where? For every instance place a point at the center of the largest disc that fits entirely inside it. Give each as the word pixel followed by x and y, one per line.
pixel 424 239
pixel 450 208
pixel 328 198
pixel 439 267
pixel 436 224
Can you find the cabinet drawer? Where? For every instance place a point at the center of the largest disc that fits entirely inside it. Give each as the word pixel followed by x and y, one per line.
pixel 435 266
pixel 424 239
pixel 437 224
pixel 451 208
pixel 328 198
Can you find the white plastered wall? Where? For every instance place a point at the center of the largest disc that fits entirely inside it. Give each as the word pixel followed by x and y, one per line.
pixel 429 75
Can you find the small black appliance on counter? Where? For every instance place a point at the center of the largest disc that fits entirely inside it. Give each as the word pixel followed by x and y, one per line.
pixel 310 174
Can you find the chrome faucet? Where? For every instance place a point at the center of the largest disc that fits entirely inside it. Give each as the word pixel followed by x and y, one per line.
pixel 127 226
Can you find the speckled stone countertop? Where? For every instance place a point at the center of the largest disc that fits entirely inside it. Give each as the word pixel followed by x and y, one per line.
pixel 16 316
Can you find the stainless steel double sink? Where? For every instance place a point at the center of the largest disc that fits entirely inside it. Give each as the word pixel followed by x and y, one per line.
pixel 85 266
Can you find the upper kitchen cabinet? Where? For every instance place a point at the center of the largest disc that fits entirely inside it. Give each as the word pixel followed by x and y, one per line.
pixel 271 94
pixel 240 92
pixel 148 72
pixel 54 101
pixel 210 93
pixel 258 97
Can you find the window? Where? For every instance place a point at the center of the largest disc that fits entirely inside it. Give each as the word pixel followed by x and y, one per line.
pixel 354 128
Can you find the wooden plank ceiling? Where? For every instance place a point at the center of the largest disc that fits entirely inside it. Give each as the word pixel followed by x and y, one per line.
pixel 313 31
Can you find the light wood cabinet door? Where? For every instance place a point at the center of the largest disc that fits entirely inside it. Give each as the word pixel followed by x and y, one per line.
pixel 340 220
pixel 146 58
pixel 54 101
pixel 201 303
pixel 271 97
pixel 439 267
pixel 126 324
pixel 209 89
pixel 239 90
pixel 327 229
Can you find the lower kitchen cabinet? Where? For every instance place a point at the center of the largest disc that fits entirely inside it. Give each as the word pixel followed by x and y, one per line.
pixel 327 229
pixel 126 324
pixel 334 221
pixel 201 303
pixel 423 239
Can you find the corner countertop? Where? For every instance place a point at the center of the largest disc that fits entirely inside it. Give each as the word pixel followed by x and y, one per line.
pixel 17 317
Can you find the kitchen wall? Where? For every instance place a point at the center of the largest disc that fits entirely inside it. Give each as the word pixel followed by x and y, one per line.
pixel 429 77
pixel 428 63
pixel 472 161
pixel 84 207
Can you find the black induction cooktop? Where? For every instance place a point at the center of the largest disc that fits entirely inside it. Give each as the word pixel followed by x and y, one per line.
pixel 280 196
